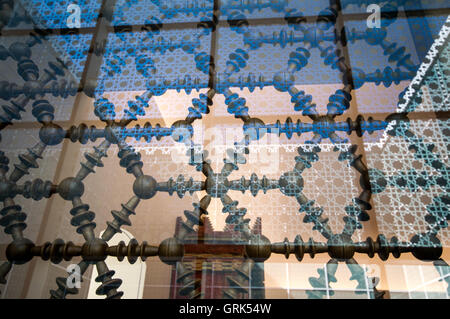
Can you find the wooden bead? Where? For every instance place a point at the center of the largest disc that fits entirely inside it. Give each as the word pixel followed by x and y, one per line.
pixel 341 247
pixel 259 248
pixel 144 187
pixel 170 251
pixel 70 188
pixel 19 251
pixel 427 247
pixel 94 250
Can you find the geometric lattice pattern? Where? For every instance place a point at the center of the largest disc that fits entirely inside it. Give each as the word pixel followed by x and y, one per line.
pixel 334 133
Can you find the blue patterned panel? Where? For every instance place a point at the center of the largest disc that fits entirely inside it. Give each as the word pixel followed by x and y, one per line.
pixel 425 4
pixel 359 6
pixel 128 12
pixel 271 58
pixel 53 14
pixel 131 59
pixel 260 9
pixel 435 24
pixel 73 50
pixel 370 55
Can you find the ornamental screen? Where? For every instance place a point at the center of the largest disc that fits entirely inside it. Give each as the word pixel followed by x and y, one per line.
pixel 254 149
